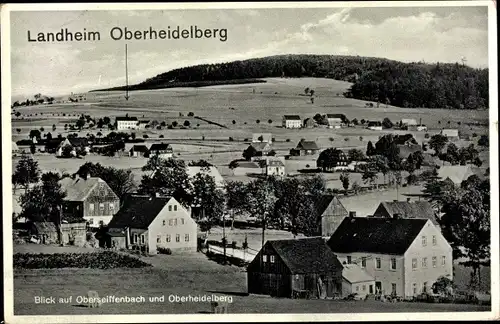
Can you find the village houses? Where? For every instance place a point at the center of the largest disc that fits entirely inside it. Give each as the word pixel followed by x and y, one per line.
pixel 404 256
pixel 274 166
pixel 292 121
pixel 295 268
pixel 330 212
pixel 262 138
pixel 139 151
pixel 309 123
pixel 212 171
pixel 406 209
pixel 74 143
pixel 375 125
pixel 150 222
pixel 126 123
pixel 335 120
pixel 261 148
pixel 162 150
pixel 89 198
pixel 305 148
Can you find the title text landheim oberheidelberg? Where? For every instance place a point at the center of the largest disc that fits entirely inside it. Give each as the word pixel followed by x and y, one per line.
pixel 119 33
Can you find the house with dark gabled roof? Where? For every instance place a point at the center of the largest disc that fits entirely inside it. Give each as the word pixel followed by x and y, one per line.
pixel 406 209
pixel 76 143
pixel 150 223
pixel 305 148
pixel 163 150
pixel 296 268
pixel 335 119
pixel 90 198
pixel 139 151
pixel 405 256
pixel 331 213
pixel 292 121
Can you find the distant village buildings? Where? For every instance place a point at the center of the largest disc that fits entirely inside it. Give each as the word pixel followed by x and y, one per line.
pixel 262 138
pixel 126 123
pixel 139 151
pixel 162 150
pixel 305 148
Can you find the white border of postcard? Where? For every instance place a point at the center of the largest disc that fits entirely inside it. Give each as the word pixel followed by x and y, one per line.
pixel 125 318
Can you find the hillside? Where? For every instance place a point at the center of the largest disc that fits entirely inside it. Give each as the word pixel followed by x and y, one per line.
pixel 410 85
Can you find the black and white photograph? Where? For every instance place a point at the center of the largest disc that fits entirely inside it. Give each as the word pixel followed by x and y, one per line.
pixel 281 160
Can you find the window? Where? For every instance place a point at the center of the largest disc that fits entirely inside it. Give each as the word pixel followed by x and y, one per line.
pixel 91 208
pixel 182 221
pixel 271 258
pixel 434 262
pixel 424 262
pixel 443 260
pixel 414 263
pixel 393 263
pixel 424 241
pixel 169 207
pixel 170 222
pixel 164 222
pixel 135 238
pixel 264 259
pixel 364 287
pixel 101 223
pixel 296 277
pixel 168 238
pixel 349 259
pixel 414 288
pixel 177 238
pixel 175 222
pixel 101 206
pixel 363 262
pixel 158 239
pixel 142 239
pixel 434 240
pixel 186 237
pixel 357 288
pixel 111 206
pixel 378 263
pixel 175 207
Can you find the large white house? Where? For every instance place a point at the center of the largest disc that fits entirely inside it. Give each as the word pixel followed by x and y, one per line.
pixel 152 223
pixel 404 256
pixel 125 123
pixel 292 121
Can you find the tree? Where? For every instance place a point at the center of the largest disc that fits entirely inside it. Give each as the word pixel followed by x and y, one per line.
pixel 261 202
pixel 315 186
pixel 477 162
pixel 258 121
pixel 437 143
pixel 234 121
pixel 370 149
pixel 306 90
pixel 236 192
pixel 262 164
pixel 270 121
pixel 311 92
pixel 201 163
pixel 329 158
pixel 356 155
pixel 80 123
pixel 344 178
pixel 249 153
pixel 443 286
pixel 174 123
pixel 271 153
pixel 369 177
pixel 386 123
pixel 35 133
pixel 32 148
pixel 187 123
pixel 233 165
pixel 207 198
pixel 26 172
pixel 483 141
pixel 119 180
pixel 54 127
pixel 451 155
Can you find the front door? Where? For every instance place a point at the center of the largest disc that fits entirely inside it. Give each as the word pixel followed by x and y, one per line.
pixel 371 289
pixel 378 287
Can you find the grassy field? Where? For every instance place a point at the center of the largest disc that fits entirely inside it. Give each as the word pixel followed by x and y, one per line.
pixel 182 275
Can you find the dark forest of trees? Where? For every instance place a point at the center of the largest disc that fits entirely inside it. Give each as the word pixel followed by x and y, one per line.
pixel 452 86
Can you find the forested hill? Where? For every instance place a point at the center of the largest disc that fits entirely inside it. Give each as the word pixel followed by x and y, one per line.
pixel 375 79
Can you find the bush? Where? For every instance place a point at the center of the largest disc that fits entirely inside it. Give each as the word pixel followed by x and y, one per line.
pixel 95 260
pixel 231 139
pixel 287 140
pixel 190 114
pixel 166 251
pixel 427 135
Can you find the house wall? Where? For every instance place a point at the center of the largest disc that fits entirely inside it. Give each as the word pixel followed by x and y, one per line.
pixel 333 215
pixel 74 233
pixel 100 205
pixel 172 221
pixel 334 121
pixel 162 154
pixel 385 275
pixel 427 273
pixel 361 288
pixel 332 283
pixel 126 124
pixel 275 170
pixel 292 123
pixel 136 237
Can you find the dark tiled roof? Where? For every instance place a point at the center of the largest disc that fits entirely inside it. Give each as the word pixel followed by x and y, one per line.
pixel 139 148
pixel 308 255
pixel 247 164
pixel 375 235
pixel 138 212
pixel 126 119
pixel 408 209
pixel 341 116
pixel 78 189
pixel 307 145
pixel 53 143
pixel 79 141
pixel 260 146
pixel 160 147
pixel 374 123
pixel 292 117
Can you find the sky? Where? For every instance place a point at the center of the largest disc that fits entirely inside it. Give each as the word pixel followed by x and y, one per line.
pixel 444 34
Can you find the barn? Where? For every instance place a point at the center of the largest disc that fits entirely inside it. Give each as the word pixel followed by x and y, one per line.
pixel 296 268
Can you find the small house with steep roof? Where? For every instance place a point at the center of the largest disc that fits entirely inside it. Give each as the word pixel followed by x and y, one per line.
pixel 305 148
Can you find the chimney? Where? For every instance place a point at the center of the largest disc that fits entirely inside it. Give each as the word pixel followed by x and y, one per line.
pixel 352 214
pixel 408 199
pixel 396 216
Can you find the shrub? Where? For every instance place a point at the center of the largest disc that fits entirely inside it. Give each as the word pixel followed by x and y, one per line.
pixel 161 136
pixel 166 251
pixel 231 139
pixel 474 134
pixel 427 135
pixel 234 122
pixel 95 260
pixel 331 139
pixel 190 114
pixel 287 140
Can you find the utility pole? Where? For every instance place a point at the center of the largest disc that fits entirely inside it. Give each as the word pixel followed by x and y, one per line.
pixel 463 60
pixel 224 235
pixel 126 72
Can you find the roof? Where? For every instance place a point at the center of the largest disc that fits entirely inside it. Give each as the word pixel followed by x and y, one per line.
pixel 456 173
pixel 53 143
pixel 143 121
pixel 14 146
pixel 308 255
pixel 266 137
pixel 410 209
pixel 354 273
pixel 138 212
pixel 292 117
pixel 78 141
pixel 409 121
pixel 322 202
pixel 307 145
pixel 211 171
pixel 449 132
pixel 374 123
pixel 376 235
pixel 248 164
pixel 406 150
pixel 309 119
pixel 44 227
pixel 160 147
pixel 340 116
pixel 139 148
pixel 78 189
pixel 274 162
pixel 260 146
pixel 126 118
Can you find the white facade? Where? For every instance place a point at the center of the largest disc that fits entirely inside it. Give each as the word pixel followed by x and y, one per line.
pixel 292 123
pixel 126 124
